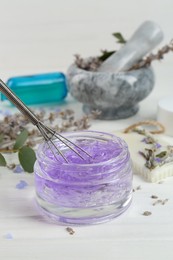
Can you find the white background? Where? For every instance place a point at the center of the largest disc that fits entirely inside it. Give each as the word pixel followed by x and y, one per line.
pixel 41 36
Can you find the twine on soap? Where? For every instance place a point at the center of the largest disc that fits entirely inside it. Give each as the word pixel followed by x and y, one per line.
pixel 160 127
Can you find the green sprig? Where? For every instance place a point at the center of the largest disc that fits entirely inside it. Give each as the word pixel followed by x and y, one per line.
pixel 120 38
pixel 2 160
pixel 26 154
pixel 21 139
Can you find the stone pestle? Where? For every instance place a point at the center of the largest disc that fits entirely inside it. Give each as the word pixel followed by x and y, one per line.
pixel 142 42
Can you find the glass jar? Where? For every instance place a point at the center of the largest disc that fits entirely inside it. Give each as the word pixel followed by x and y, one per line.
pixel 89 191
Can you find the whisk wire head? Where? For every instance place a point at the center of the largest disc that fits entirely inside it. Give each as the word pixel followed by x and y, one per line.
pixel 48 134
pixel 48 140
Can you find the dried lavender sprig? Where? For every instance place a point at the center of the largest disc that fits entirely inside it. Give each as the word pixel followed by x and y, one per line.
pixel 90 64
pixel 61 121
pixel 158 56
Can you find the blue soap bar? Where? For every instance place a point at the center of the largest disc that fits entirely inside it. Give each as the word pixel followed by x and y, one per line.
pixel 39 88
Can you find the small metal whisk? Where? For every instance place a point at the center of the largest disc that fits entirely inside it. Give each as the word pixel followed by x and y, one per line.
pixel 45 131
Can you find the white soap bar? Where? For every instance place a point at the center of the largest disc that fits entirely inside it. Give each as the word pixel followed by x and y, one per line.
pixel 135 144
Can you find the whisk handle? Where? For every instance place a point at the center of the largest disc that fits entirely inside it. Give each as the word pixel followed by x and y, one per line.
pixel 18 103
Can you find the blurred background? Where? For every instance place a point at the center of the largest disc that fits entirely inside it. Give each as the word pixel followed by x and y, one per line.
pixel 39 35
pixel 43 35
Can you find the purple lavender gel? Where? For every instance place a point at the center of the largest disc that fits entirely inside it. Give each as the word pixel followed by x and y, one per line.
pixel 85 191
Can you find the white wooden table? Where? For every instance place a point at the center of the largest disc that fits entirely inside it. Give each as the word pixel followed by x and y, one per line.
pixel 41 36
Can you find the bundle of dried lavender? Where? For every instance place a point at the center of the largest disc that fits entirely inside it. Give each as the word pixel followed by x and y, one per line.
pixel 61 121
pixel 15 138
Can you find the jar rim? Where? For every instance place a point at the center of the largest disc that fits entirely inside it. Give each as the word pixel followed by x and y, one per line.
pixel 83 133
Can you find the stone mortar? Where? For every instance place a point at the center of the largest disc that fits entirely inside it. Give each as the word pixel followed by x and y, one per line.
pixel 115 95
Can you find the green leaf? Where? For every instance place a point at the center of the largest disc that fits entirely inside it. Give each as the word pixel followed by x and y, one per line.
pixel 105 54
pixel 20 140
pixel 2 160
pixel 162 154
pixel 1 138
pixel 27 158
pixel 119 37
